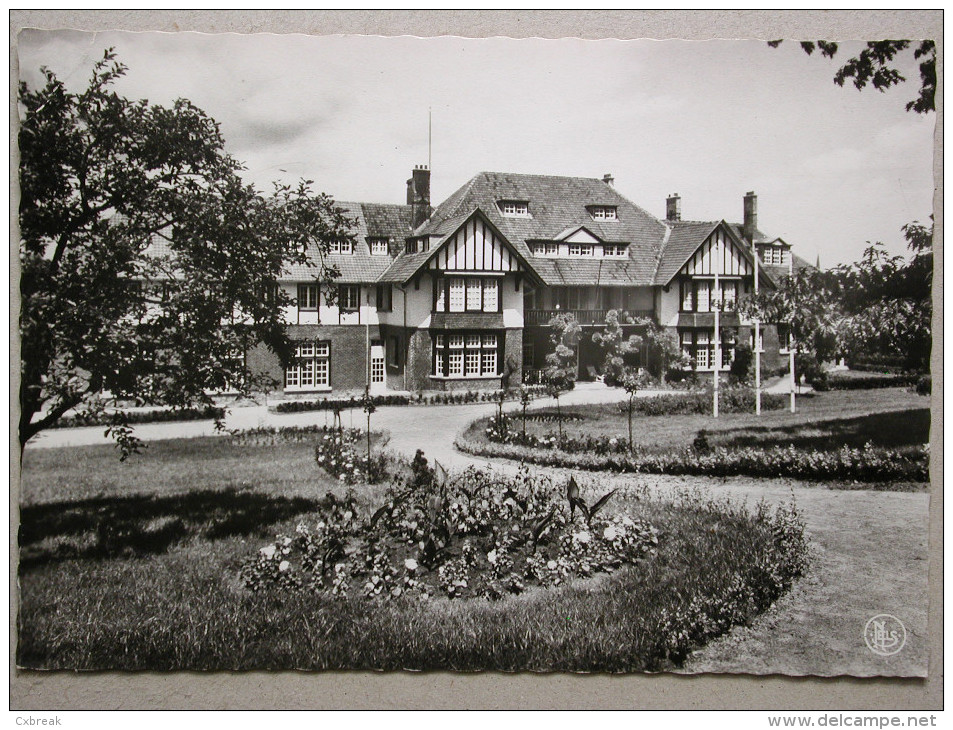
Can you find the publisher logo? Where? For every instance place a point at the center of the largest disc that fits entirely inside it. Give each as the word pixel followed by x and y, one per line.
pixel 885 634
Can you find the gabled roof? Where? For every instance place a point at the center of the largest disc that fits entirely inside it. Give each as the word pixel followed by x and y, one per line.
pixel 408 264
pixel 373 220
pixel 555 205
pixel 685 239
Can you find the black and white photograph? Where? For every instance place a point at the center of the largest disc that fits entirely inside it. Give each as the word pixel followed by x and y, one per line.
pixel 451 354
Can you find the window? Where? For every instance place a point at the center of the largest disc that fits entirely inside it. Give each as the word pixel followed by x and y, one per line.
pixel 379 246
pixel 603 212
pixel 729 295
pixel 349 297
pixel 311 367
pixel 567 297
pixel 342 245
pixel 514 208
pixel 467 294
pixel 759 347
pixel 385 297
pixel 308 297
pixel 784 338
pixel 547 248
pixel 703 296
pixel 699 347
pixel 471 354
pixel 774 255
pixel 700 295
pixel 580 249
pixel 614 249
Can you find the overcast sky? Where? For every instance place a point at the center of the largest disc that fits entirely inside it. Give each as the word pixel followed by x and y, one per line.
pixel 833 167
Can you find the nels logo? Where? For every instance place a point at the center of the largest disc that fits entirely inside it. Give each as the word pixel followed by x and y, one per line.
pixel 885 634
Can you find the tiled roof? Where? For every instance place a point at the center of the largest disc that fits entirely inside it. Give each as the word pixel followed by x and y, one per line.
pixel 800 263
pixel 555 204
pixel 372 220
pixel 684 240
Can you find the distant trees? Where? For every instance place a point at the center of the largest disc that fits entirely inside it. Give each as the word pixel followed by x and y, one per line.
pixel 147 266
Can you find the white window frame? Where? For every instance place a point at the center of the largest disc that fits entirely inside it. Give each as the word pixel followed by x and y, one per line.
pixel 581 249
pixel 349 297
pixel 342 246
pixel 604 212
pixel 614 250
pixel 466 355
pixel 378 245
pixel 311 368
pixel 514 208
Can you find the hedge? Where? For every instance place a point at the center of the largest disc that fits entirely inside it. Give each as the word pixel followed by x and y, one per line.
pixel 452 398
pixel 836 381
pixel 105 418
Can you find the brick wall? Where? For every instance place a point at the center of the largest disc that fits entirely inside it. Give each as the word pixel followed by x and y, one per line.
pixel 348 371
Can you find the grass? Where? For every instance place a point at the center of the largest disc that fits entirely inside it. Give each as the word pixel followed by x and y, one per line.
pixel 135 566
pixel 889 417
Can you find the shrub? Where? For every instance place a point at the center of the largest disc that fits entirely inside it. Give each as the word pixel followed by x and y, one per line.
pixel 337 453
pixel 165 415
pixel 396 399
pixel 924 385
pixel 730 400
pixel 867 464
pixel 740 370
pixel 837 381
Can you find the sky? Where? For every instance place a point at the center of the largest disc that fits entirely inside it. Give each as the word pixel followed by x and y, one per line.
pixel 834 168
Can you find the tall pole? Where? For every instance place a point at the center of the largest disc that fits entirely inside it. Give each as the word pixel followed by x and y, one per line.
pixel 716 296
pixel 791 363
pixel 757 338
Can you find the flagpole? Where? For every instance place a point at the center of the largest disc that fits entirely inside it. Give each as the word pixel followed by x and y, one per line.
pixel 757 337
pixel 717 302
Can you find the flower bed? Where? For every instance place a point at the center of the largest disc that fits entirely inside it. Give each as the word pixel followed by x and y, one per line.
pixel 867 464
pixel 339 452
pixel 475 534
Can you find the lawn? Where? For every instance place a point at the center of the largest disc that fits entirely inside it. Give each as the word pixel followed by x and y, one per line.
pixel 889 417
pixel 136 565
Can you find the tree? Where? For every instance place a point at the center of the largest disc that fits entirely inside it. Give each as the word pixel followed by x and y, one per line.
pixel 618 368
pixel 871 66
pixel 617 349
pixel 664 350
pixel 888 301
pixel 147 266
pixel 804 302
pixel 559 375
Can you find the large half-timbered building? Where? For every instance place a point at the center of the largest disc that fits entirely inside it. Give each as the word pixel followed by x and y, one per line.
pixel 460 296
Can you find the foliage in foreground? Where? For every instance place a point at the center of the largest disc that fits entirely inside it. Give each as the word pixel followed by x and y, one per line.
pixel 868 464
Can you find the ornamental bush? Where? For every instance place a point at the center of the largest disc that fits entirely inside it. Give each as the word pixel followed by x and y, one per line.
pixel 731 399
pixel 339 453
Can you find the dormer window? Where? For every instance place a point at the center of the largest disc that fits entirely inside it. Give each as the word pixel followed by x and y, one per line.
pixel 614 250
pixel 774 255
pixel 342 245
pixel 580 249
pixel 603 212
pixel 378 246
pixel 547 248
pixel 514 208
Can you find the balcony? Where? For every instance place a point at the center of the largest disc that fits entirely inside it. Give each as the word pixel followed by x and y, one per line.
pixel 583 316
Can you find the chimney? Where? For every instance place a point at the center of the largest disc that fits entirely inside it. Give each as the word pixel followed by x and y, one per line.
pixel 673 207
pixel 418 195
pixel 608 179
pixel 751 216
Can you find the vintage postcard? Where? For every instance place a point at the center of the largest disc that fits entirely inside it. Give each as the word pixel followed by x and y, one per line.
pixel 345 352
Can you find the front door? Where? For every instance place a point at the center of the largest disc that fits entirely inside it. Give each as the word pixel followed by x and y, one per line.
pixel 377 368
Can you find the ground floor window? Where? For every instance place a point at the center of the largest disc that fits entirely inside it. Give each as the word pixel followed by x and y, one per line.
pixel 699 346
pixel 784 338
pixel 311 367
pixel 468 354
